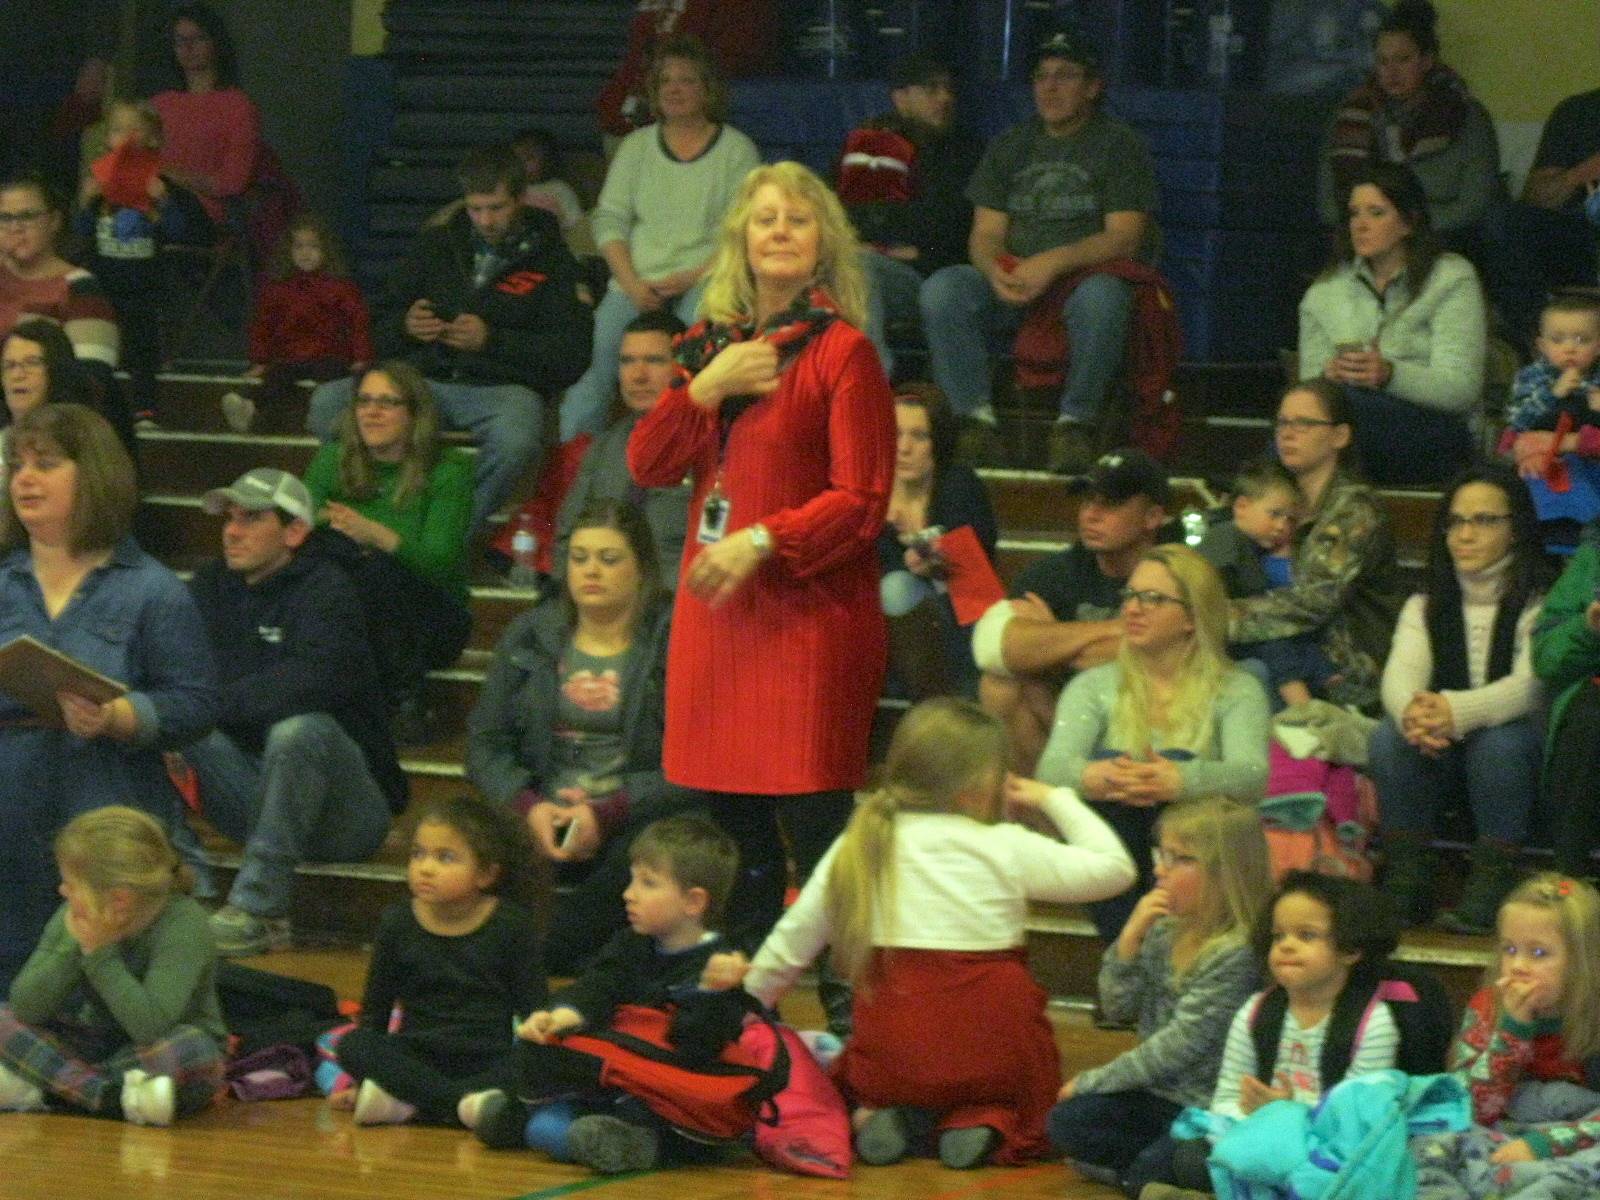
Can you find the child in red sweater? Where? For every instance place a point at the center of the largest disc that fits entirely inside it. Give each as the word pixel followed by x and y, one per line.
pixel 310 319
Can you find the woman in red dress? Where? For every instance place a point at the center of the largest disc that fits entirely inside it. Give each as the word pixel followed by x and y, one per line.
pixel 784 419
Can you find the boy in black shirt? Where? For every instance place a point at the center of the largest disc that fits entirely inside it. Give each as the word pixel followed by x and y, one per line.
pixel 682 869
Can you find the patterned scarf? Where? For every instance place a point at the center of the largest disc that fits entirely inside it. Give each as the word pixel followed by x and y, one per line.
pixel 789 332
pixel 1424 127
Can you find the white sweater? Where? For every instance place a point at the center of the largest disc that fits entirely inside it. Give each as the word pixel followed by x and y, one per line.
pixel 959 885
pixel 1410 666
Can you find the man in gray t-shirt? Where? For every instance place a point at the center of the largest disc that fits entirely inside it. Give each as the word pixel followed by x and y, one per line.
pixel 1066 191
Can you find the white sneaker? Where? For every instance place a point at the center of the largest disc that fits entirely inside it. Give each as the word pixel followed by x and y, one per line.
pixel 374 1106
pixel 470 1107
pixel 17 1094
pixel 238 411
pixel 984 414
pixel 147 1099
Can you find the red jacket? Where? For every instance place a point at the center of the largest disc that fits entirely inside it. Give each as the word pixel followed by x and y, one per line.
pixel 310 316
pixel 1155 343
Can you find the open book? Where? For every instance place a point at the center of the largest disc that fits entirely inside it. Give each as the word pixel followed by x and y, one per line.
pixel 33 673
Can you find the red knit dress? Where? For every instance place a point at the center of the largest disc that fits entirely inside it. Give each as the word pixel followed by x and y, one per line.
pixel 773 692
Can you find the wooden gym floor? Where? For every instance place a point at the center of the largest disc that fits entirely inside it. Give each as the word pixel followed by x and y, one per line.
pixel 303 1150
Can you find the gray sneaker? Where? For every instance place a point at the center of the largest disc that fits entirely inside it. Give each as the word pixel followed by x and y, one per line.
pixel 238 932
pixel 611 1145
pixel 238 411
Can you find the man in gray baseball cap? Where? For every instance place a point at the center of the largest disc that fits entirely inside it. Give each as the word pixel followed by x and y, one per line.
pixel 302 763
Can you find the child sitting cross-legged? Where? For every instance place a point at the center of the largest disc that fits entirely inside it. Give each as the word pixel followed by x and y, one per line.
pixel 644 985
pixel 116 1012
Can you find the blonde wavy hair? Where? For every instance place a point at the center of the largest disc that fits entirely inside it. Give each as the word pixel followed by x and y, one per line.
pixel 730 296
pixel 1575 905
pixel 1225 838
pixel 1205 663
pixel 947 755
pixel 121 847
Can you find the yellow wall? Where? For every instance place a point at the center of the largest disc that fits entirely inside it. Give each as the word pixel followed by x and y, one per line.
pixel 1522 56
pixel 366 27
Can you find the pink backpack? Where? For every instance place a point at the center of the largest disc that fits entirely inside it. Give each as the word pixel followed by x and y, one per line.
pixel 810 1133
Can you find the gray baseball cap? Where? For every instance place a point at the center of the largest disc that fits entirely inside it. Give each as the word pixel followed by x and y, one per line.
pixel 259 490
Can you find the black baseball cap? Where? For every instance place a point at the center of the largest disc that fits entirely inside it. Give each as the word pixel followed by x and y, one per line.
pixel 1070 45
pixel 1121 475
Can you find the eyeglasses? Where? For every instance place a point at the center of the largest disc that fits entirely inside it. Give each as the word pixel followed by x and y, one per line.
pixel 380 402
pixel 1170 860
pixel 1486 521
pixel 1062 75
pixel 1148 598
pixel 9 220
pixel 1302 424
pixel 32 363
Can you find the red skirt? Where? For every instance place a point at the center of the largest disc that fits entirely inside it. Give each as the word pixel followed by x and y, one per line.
pixel 964 1034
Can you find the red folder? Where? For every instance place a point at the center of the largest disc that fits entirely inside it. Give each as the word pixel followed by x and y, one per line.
pixel 973 584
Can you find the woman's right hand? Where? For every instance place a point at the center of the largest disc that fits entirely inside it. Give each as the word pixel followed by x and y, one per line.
pixel 740 369
pixel 1152 906
pixel 548 823
pixel 643 297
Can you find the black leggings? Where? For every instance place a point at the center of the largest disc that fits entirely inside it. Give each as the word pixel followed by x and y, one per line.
pixel 812 820
pixel 430 1075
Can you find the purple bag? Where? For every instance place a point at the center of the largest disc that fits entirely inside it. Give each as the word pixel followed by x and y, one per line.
pixel 280 1072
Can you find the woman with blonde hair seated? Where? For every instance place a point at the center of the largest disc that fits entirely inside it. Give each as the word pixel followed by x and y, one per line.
pixel 1170 718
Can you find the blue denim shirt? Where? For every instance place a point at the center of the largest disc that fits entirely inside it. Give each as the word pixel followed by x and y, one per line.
pixel 133 620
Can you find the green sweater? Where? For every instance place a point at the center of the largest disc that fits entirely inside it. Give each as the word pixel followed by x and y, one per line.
pixel 432 526
pixel 1566 652
pixel 138 990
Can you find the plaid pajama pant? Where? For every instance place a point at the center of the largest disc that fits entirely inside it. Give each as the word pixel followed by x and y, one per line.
pixel 76 1066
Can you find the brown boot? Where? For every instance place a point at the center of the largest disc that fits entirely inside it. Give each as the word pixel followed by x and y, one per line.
pixel 917 651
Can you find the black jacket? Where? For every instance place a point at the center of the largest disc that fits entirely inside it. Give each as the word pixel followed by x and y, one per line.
pixel 539 331
pixel 294 643
pixel 938 219
pixel 511 736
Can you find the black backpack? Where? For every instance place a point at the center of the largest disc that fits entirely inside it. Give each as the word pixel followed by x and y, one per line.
pixel 1417 1001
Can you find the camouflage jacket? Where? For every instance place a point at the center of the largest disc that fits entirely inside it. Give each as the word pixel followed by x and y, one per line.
pixel 1345 586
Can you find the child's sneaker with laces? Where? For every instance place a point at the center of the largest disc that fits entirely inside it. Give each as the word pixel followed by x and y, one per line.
pixel 611 1145
pixel 147 1099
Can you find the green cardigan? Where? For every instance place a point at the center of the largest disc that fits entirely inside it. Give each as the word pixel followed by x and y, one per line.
pixel 1566 652
pixel 432 526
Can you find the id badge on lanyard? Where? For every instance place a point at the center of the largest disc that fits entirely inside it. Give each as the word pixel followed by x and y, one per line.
pixel 714 514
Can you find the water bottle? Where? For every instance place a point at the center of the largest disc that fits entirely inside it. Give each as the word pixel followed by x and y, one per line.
pixel 524 573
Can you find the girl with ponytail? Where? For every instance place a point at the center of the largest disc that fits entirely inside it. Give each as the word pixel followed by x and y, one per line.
pixel 923 901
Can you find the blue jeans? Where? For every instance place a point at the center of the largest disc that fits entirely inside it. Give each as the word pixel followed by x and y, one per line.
pixel 1116 1131
pixel 307 796
pixel 893 294
pixel 961 314
pixel 587 402
pixel 1401 443
pixel 506 418
pixel 1496 769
